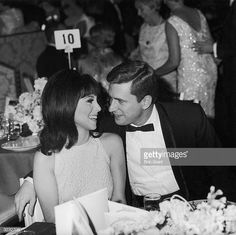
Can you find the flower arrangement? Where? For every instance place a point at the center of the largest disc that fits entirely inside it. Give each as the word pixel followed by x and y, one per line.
pixel 177 216
pixel 28 109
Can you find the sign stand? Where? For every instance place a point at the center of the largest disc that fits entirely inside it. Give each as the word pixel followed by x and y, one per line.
pixel 69 50
pixel 67 40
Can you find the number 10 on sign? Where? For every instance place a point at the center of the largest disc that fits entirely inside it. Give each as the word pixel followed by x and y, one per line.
pixel 67 38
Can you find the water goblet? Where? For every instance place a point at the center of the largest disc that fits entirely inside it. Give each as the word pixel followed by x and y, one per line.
pixel 2 130
pixel 13 129
pixel 151 201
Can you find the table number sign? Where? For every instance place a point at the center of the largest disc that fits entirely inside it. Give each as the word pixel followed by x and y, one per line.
pixel 67 40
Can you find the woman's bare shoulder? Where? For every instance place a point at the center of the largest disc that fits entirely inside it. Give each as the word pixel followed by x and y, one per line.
pixel 110 137
pixel 42 159
pixel 111 141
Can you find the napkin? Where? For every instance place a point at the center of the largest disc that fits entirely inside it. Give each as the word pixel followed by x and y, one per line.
pixel 118 211
pixel 73 216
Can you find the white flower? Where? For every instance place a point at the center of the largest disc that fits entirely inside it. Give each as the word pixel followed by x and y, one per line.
pixel 176 216
pixel 28 110
pixel 37 113
pixel 39 84
pixel 33 126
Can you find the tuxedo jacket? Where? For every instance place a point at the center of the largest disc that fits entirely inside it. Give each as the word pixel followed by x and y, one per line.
pixel 226 48
pixel 184 125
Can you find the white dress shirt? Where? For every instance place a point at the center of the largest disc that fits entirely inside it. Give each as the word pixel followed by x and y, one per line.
pixel 146 179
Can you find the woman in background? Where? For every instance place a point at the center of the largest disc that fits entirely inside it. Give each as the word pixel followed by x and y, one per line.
pixel 152 46
pixel 74 161
pixel 197 74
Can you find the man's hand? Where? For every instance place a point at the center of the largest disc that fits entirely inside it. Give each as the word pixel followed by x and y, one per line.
pixel 25 195
pixel 203 47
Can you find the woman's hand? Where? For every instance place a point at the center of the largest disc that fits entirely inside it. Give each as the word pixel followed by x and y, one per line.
pixel 25 195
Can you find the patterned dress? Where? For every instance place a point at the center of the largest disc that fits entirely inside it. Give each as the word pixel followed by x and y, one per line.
pixel 82 169
pixel 154 50
pixel 197 74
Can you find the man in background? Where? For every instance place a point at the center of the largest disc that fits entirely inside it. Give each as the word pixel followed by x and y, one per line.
pixel 51 60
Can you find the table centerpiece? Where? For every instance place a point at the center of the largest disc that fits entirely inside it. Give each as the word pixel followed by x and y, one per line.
pixel 27 111
pixel 213 216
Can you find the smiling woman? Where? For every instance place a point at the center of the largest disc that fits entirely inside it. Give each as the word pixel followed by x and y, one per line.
pixel 73 161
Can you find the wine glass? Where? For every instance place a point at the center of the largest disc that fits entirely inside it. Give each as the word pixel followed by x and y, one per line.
pixel 3 126
pixel 151 201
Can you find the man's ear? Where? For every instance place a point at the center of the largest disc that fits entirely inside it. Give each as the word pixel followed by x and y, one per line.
pixel 146 101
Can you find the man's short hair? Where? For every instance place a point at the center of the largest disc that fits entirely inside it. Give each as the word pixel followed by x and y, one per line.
pixel 142 77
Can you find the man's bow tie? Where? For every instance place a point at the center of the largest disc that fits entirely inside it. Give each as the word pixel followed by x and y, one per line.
pixel 147 127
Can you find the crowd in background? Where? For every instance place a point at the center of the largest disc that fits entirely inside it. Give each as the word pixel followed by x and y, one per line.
pixel 113 31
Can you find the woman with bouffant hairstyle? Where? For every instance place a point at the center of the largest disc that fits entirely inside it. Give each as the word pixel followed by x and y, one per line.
pixel 73 161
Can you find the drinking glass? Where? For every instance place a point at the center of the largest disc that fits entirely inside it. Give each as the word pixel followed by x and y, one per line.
pixel 151 201
pixel 2 130
pixel 4 126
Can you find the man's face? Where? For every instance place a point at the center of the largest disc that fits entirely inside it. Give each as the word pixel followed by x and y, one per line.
pixel 124 105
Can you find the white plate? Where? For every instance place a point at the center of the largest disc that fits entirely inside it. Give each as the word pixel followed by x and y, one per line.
pixel 3 137
pixel 22 144
pixel 20 149
pixel 15 232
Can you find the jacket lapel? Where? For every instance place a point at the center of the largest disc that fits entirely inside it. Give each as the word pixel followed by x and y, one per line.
pixel 170 143
pixel 166 127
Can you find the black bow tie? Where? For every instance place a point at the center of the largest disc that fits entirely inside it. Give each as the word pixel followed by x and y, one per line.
pixel 147 127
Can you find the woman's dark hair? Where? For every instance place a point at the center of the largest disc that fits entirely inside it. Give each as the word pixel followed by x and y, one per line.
pixel 59 101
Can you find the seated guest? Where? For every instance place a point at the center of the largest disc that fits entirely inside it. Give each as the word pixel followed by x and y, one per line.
pixel 102 36
pixel 132 89
pixel 182 124
pixel 100 58
pixel 73 160
pixel 51 60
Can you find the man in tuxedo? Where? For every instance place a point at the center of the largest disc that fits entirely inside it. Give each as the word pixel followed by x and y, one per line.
pixel 225 50
pixel 174 125
pixel 143 122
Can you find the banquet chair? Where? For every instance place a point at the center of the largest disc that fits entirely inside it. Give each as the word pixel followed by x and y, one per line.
pixel 8 216
pixel 38 214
